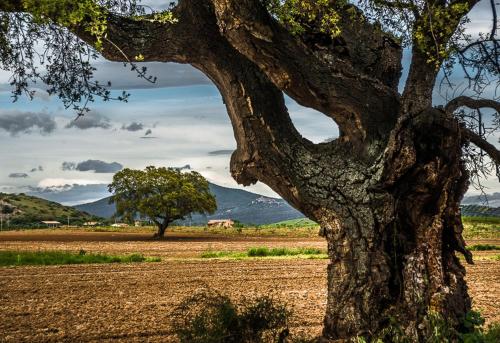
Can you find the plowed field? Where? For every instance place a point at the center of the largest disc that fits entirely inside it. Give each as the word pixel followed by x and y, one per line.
pixel 133 302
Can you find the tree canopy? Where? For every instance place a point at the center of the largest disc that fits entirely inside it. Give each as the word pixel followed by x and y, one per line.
pixel 163 195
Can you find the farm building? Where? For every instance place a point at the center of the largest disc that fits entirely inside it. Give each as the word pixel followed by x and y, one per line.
pixel 51 223
pixel 91 224
pixel 119 225
pixel 227 223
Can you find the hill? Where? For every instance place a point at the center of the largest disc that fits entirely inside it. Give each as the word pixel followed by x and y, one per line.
pixel 101 208
pixel 491 200
pixel 24 210
pixel 236 204
pixel 252 208
pixel 480 211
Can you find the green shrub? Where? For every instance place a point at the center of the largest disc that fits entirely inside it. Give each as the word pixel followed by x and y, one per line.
pixel 474 324
pixel 209 317
pixel 471 330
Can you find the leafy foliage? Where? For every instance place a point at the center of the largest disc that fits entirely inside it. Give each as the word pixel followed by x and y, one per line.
pixel 44 36
pixel 161 194
pixel 473 331
pixel 301 15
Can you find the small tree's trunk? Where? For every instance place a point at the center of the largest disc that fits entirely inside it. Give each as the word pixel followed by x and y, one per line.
pixel 161 231
pixel 162 227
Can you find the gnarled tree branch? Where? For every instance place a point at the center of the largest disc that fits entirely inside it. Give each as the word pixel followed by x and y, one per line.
pixel 128 37
pixel 465 101
pixel 361 105
pixel 482 144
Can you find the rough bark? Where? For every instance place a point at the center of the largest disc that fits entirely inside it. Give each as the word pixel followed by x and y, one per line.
pixel 162 227
pixel 323 81
pixel 386 193
pixel 161 231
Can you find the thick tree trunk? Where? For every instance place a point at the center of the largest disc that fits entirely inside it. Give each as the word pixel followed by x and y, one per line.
pixel 389 208
pixel 393 268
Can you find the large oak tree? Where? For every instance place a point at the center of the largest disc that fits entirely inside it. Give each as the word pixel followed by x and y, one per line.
pixel 162 195
pixel 386 192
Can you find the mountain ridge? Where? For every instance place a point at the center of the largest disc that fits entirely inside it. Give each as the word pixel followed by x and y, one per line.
pixel 235 204
pixel 254 208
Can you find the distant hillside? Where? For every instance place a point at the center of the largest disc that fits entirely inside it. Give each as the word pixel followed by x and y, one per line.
pixel 236 204
pixel 101 208
pixel 25 210
pixel 490 200
pixel 480 211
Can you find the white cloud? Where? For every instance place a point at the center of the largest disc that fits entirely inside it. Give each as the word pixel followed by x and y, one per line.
pixel 61 182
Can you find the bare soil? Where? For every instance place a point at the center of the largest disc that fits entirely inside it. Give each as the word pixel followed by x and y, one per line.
pixel 133 302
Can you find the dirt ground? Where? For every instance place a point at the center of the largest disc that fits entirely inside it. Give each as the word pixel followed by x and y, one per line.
pixel 133 302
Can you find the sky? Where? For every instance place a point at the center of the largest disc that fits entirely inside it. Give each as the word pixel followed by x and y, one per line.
pixel 180 121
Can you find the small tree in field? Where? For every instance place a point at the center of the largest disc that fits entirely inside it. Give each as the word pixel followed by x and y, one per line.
pixel 161 194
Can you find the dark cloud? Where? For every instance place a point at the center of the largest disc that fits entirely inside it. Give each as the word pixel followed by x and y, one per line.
pixel 18 175
pixel 90 120
pixel 186 167
pixel 167 74
pixel 39 168
pixel 98 166
pixel 68 166
pixel 15 122
pixel 220 152
pixel 148 134
pixel 133 127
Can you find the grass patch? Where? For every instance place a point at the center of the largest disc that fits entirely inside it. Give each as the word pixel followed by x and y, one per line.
pixel 293 223
pixel 258 231
pixel 129 229
pixel 46 258
pixel 223 254
pixel 483 247
pixel 267 252
pixel 481 228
